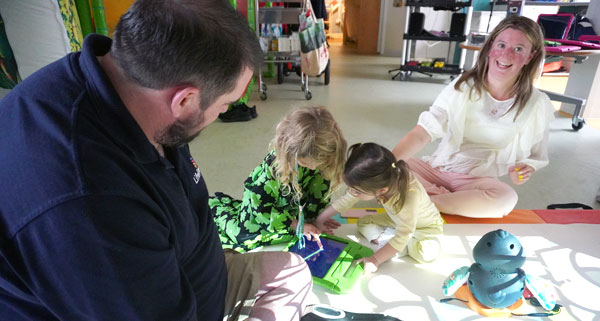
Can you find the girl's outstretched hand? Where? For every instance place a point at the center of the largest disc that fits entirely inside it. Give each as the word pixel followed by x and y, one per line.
pixel 311 232
pixel 520 173
pixel 327 226
pixel 370 264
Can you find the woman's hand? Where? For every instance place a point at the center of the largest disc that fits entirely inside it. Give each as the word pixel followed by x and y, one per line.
pixel 370 264
pixel 327 226
pixel 520 173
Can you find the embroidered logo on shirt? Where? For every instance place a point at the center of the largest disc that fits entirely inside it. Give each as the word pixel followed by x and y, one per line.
pixel 197 174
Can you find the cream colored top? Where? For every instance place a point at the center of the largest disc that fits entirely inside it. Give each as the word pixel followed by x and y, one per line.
pixel 479 136
pixel 418 212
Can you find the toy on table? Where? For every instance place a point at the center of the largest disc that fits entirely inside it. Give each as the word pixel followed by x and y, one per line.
pixel 496 281
pixel 333 266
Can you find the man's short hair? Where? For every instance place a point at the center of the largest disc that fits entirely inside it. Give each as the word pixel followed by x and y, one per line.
pixel 204 43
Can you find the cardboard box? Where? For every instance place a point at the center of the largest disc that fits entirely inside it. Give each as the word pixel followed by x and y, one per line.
pixel 284 44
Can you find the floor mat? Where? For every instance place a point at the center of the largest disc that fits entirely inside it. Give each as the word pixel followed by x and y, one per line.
pixel 514 217
pixel 569 216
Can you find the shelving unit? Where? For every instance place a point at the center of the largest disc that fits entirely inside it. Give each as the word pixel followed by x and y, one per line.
pixel 572 7
pixel 565 4
pixel 280 15
pixel 408 50
pixel 547 3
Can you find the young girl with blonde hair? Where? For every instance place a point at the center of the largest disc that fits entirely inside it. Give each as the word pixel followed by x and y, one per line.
pixel 305 164
pixel 372 171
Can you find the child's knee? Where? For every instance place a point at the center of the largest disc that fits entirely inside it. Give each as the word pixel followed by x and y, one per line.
pixel 369 230
pixel 424 251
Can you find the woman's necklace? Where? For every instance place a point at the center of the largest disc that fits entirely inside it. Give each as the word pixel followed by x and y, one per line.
pixel 498 106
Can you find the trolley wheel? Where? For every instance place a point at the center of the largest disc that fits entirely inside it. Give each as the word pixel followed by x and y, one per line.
pixel 578 126
pixel 308 95
pixel 263 96
pixel 280 73
pixel 264 87
pixel 327 73
pixel 405 75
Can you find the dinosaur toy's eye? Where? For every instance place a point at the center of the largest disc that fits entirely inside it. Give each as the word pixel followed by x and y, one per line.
pixel 512 246
pixel 489 244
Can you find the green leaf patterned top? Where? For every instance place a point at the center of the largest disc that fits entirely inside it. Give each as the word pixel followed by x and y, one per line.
pixel 264 214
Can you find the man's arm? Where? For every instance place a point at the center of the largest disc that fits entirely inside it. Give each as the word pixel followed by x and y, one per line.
pixel 104 258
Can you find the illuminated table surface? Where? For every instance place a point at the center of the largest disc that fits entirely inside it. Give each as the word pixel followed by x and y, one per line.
pixel 568 256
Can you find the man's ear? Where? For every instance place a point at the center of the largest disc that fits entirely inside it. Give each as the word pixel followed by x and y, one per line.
pixel 184 101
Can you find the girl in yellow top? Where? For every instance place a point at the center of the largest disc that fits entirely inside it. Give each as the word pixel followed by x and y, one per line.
pixel 372 171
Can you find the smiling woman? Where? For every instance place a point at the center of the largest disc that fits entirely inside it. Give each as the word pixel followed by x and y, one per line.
pixel 509 53
pixel 491 122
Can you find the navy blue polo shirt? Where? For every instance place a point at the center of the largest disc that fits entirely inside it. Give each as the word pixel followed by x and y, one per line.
pixel 94 223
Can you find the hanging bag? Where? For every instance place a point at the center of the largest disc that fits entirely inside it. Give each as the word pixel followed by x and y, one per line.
pixel 314 54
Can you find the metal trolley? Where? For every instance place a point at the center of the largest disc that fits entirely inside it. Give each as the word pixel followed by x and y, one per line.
pixel 280 15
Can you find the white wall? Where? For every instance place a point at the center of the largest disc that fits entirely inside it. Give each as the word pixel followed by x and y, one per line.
pixel 391 29
pixel 36 33
pixel 439 21
pixel 584 80
pixel 336 18
pixel 593 13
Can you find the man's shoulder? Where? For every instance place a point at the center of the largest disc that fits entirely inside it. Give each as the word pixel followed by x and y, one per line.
pixel 56 79
pixel 54 153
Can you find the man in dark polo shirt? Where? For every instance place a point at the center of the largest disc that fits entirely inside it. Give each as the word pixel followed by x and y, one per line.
pixel 103 211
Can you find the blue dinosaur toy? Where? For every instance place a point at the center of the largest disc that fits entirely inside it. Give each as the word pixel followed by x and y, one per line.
pixel 496 279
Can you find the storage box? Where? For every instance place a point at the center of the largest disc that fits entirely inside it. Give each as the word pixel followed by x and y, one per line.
pixel 295 41
pixel 284 44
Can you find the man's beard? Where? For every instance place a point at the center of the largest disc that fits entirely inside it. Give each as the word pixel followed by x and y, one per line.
pixel 178 133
